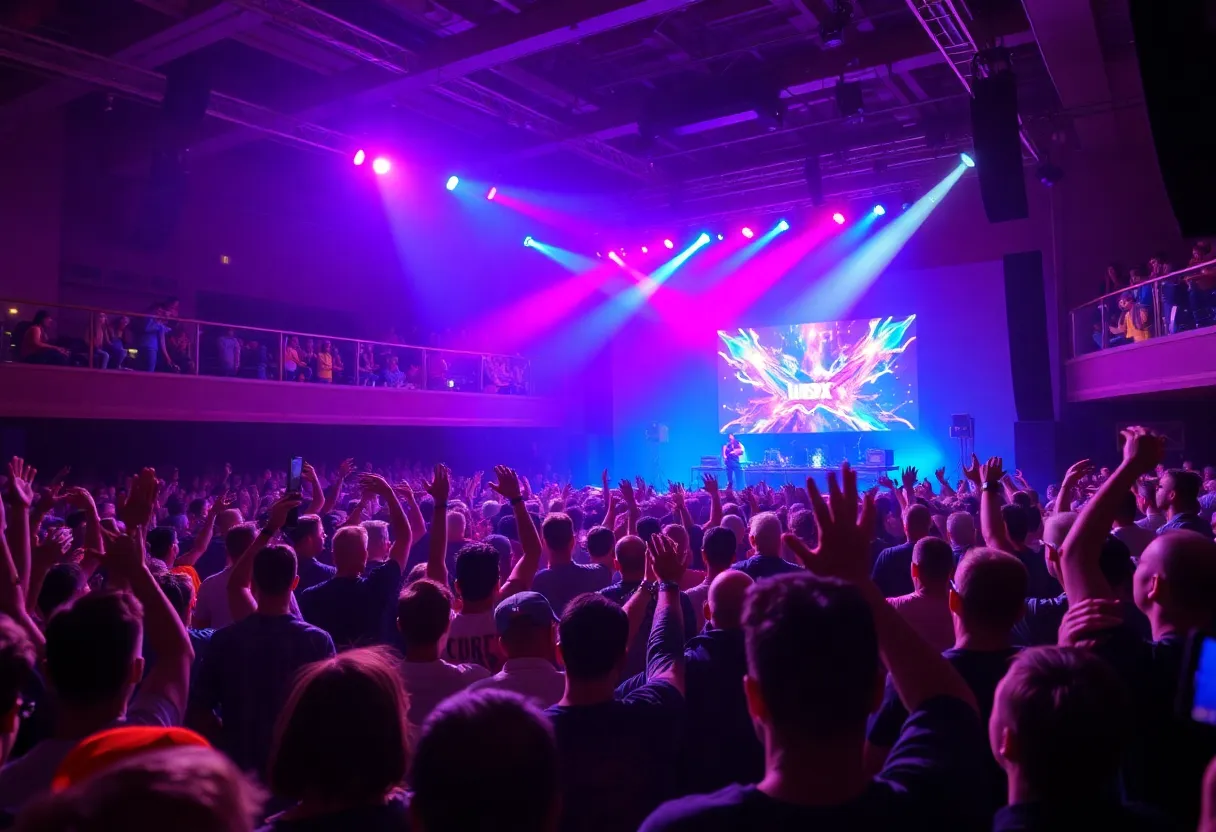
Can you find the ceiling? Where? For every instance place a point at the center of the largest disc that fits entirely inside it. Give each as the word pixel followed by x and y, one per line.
pixel 707 107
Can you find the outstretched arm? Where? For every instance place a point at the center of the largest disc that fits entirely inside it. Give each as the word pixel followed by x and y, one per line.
pixel 207 531
pixel 335 487
pixel 241 602
pixel 631 505
pixel 21 494
pixel 529 540
pixel 992 524
pixel 12 599
pixel 396 514
pixel 710 481
pixel 439 489
pixel 610 506
pixel 318 494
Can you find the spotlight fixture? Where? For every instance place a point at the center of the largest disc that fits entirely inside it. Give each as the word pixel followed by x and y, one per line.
pixel 838 218
pixel 783 226
pixel 748 233
pixel 721 237
pixel 703 239
pixel 669 244
pixel 645 250
pixel 831 30
pixel 381 165
pixel 879 210
pixel 528 241
pixel 360 157
pixel 967 160
pixel 493 192
pixel 453 181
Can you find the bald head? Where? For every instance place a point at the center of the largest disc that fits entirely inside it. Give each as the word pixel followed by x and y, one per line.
pixel 726 596
pixel 1175 580
pixel 765 534
pixel 631 557
pixel 917 522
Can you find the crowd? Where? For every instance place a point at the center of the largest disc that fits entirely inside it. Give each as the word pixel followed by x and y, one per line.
pixel 159 342
pixel 397 649
pixel 1131 315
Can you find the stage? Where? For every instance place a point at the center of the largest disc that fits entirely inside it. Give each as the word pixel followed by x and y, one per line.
pixel 793 474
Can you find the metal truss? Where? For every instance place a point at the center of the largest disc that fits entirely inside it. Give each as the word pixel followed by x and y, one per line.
pixel 60 59
pixel 346 38
pixel 951 35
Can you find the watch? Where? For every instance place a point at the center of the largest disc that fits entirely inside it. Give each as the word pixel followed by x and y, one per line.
pixel 668 586
pixel 516 500
pixel 990 486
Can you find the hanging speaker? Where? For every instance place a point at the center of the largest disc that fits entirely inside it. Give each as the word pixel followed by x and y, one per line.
pixel 998 146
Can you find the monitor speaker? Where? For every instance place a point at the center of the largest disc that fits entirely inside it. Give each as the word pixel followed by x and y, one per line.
pixel 1178 73
pixel 998 147
pixel 962 426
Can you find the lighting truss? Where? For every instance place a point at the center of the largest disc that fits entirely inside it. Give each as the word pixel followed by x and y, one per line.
pixel 60 59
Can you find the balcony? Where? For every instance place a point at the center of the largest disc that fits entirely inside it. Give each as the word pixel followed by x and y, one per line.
pixel 239 374
pixel 1158 336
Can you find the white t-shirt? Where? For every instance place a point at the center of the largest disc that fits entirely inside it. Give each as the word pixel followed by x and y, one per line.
pixel 211 608
pixel 1136 538
pixel 429 683
pixel 535 679
pixel 699 594
pixel 929 616
pixel 473 639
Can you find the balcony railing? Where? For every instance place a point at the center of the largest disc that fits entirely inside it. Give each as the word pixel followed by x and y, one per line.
pixel 1180 301
pixel 116 341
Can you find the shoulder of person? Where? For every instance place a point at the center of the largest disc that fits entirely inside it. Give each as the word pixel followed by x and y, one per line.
pixel 662 695
pixel 723 809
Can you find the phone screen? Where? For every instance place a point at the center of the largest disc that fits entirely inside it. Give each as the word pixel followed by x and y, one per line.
pixel 294 473
pixel 1203 702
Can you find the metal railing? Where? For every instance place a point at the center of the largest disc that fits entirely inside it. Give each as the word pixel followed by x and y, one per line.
pixel 104 339
pixel 1184 299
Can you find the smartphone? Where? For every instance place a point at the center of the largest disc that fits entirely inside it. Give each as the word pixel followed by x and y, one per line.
pixel 295 472
pixel 1199 683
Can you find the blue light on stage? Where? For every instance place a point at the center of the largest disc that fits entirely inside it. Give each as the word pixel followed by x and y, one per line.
pixel 703 239
pixel 783 226
pixel 879 210
pixel 721 237
pixel 453 181
pixel 967 160
pixel 528 241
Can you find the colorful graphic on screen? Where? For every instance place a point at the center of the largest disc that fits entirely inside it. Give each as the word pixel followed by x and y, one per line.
pixel 819 378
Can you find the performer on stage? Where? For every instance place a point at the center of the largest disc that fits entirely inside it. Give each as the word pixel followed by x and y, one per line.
pixel 732 454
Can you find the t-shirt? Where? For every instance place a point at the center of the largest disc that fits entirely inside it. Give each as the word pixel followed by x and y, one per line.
pixel 982 670
pixel 393 815
pixel 351 609
pixel 429 683
pixel 246 675
pixel 929 615
pixel 211 607
pixel 325 366
pixel 1041 623
pixel 1135 538
pixel 621 592
pixel 1039 583
pixel 213 559
pixel 928 782
pixel 30 775
pixel 473 639
pixel 312 572
pixel 535 679
pixel 766 566
pixel 1107 816
pixel 617 759
pixel 565 581
pixel 697 596
pixel 1187 522
pixel 229 352
pixel 892 571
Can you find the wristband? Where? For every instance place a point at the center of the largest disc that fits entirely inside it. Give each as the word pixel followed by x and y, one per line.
pixel 990 486
pixel 516 500
pixel 668 586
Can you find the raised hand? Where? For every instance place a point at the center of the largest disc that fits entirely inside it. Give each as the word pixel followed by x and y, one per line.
pixel 224 501
pixel 886 482
pixel 1086 620
pixel 940 473
pixel 55 547
pixel 910 476
pixel 374 484
pixel 526 487
pixel 21 482
pixel 973 472
pixel 125 553
pixel 1143 450
pixel 677 493
pixel 78 498
pixel 278 511
pixel 993 470
pixel 508 486
pixel 1078 470
pixel 604 480
pixel 844 531
pixel 441 486
pixel 141 499
pixel 710 483
pixel 627 493
pixel 665 558
pixel 345 468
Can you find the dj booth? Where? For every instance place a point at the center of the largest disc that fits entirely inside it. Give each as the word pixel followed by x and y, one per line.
pixel 792 474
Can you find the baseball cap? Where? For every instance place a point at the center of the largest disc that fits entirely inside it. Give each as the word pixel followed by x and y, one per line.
pixel 530 605
pixel 98 752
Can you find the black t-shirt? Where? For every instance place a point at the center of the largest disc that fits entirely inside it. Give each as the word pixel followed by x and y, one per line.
pixel 1106 816
pixel 351 610
pixel 618 760
pixel 928 782
pixel 893 570
pixel 982 671
pixel 391 816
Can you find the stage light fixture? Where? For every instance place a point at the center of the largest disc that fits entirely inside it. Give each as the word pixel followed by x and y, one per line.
pixel 721 237
pixel 453 181
pixel 967 160
pixel 528 241
pixel 838 218
pixel 493 192
pixel 879 210
pixel 360 157
pixel 669 244
pixel 748 233
pixel 381 165
pixel 703 239
pixel 645 250
pixel 783 226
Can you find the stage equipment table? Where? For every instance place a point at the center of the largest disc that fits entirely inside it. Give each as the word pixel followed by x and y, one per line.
pixel 792 474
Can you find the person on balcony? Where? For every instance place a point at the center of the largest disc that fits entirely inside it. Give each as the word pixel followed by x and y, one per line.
pixel 115 331
pixel 325 364
pixel 1200 286
pixel 150 339
pixel 294 366
pixel 1133 320
pixel 36 347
